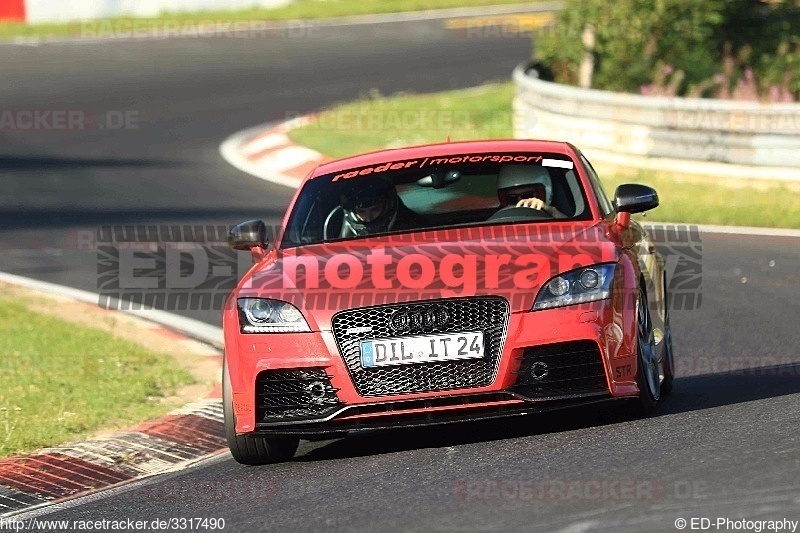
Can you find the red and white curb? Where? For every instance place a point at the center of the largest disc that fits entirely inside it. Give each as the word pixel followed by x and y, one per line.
pixel 167 443
pixel 267 152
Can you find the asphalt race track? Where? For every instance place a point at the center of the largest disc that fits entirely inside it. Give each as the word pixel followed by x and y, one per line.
pixel 724 445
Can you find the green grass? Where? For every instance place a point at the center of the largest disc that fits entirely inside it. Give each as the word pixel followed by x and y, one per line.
pixel 406 119
pixel 485 112
pixel 60 381
pixel 702 200
pixel 300 9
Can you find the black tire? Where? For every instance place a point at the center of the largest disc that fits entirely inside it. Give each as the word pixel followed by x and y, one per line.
pixel 252 450
pixel 667 385
pixel 649 391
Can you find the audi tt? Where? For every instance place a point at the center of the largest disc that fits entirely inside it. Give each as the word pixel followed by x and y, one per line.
pixel 438 284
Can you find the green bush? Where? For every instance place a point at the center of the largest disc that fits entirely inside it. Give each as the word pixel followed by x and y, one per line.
pixel 706 48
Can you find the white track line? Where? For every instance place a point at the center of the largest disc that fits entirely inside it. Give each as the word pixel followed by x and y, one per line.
pixel 744 230
pixel 189 326
pixel 728 230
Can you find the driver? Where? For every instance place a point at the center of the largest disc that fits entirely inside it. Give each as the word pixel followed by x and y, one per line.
pixel 373 207
pixel 527 186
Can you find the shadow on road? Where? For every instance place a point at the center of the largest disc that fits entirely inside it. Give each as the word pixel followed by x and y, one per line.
pixel 691 394
pixel 707 391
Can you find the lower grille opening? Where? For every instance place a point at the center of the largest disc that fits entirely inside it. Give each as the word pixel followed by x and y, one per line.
pixel 563 369
pixel 297 394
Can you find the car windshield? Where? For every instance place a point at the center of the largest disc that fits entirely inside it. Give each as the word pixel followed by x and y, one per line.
pixel 432 193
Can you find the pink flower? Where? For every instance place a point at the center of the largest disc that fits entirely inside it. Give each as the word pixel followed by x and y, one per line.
pixel 774 94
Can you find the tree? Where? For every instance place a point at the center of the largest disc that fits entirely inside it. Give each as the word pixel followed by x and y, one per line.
pixel 640 43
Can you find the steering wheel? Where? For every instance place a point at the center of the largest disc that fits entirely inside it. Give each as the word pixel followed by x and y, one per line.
pixel 513 213
pixel 328 220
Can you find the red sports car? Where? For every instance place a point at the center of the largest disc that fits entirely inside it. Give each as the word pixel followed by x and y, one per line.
pixel 443 283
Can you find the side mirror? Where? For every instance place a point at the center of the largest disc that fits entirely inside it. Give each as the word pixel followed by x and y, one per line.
pixel 634 198
pixel 248 235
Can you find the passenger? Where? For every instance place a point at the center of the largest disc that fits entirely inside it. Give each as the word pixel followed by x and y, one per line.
pixel 527 186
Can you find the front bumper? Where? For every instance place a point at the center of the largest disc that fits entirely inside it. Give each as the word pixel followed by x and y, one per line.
pixel 510 392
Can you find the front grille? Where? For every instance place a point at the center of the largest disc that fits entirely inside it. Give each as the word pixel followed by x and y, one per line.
pixel 298 394
pixel 561 369
pixel 489 314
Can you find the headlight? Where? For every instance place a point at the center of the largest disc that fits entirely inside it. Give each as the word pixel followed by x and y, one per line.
pixel 577 286
pixel 262 315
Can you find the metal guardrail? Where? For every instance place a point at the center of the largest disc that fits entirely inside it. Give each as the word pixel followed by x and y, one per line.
pixel 695 135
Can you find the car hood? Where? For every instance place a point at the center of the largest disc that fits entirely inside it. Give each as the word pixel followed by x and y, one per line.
pixel 512 261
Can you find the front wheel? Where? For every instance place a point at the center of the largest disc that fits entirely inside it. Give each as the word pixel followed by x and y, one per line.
pixel 252 450
pixel 648 367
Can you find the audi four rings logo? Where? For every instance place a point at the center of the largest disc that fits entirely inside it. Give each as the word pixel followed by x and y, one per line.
pixel 425 318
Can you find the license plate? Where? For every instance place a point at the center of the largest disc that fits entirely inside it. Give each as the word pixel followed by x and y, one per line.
pixel 422 349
